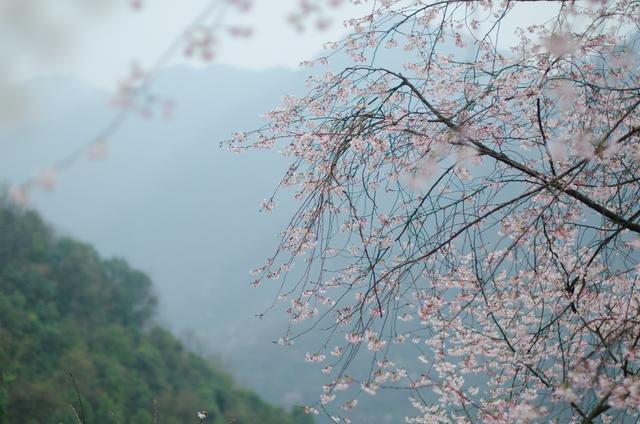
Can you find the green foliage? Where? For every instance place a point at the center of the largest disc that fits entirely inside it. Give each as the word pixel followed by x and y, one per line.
pixel 65 311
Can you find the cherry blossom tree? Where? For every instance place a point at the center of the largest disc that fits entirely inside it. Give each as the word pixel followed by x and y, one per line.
pixel 477 204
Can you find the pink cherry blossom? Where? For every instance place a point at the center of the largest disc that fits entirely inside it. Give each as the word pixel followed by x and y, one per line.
pixel 482 212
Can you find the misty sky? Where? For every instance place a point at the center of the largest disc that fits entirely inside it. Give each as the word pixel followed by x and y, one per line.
pixel 97 40
pixel 97 44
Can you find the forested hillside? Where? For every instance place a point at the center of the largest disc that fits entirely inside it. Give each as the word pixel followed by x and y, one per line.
pixel 64 311
pixel 190 196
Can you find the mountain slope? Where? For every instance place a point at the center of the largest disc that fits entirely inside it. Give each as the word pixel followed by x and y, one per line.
pixel 185 211
pixel 64 311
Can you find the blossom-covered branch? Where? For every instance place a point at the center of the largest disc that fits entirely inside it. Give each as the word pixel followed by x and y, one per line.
pixel 476 205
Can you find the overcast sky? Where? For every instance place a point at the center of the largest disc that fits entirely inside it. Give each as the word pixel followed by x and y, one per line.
pixel 98 39
pixel 98 43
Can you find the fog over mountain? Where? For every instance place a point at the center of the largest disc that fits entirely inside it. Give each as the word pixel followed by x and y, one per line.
pixel 176 205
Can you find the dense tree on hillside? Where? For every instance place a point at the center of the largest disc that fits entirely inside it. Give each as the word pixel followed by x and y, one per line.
pixel 64 312
pixel 477 202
